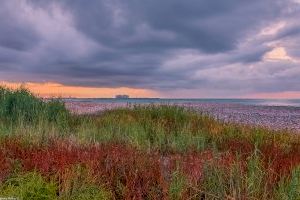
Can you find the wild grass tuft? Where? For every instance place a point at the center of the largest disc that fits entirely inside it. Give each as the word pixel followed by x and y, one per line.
pixel 21 109
pixel 289 187
pixel 178 186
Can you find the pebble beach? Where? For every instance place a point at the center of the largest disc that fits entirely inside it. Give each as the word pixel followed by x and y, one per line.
pixel 272 117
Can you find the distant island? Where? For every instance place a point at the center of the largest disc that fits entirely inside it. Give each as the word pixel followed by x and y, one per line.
pixel 122 96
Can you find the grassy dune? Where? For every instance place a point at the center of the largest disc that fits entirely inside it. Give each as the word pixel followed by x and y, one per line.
pixel 153 152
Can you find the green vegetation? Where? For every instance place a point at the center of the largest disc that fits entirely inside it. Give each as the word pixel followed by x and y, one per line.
pixel 28 186
pixel 152 152
pixel 20 105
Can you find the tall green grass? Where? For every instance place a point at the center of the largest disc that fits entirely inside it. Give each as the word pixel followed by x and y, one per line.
pixel 289 187
pixel 169 128
pixel 21 111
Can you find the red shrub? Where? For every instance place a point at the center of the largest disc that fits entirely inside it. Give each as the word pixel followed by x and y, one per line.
pixel 128 172
pixel 5 165
pixel 280 162
pixel 241 146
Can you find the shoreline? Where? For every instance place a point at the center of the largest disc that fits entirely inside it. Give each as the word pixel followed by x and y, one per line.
pixel 271 117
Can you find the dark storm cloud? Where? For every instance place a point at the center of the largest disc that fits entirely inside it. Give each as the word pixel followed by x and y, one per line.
pixel 210 26
pixel 170 44
pixel 13 33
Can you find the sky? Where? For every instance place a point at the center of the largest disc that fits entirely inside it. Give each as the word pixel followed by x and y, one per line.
pixel 152 48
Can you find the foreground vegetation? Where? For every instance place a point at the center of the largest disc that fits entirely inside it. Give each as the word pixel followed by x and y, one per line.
pixel 153 152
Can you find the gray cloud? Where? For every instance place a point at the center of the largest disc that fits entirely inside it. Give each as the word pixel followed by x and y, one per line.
pixel 162 45
pixel 14 33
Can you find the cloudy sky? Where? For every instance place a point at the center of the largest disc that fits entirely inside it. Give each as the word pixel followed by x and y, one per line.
pixel 169 48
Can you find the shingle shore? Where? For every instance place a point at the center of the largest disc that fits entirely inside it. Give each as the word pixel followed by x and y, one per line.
pixel 274 117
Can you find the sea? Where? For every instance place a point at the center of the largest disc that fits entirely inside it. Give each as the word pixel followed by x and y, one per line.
pixel 262 102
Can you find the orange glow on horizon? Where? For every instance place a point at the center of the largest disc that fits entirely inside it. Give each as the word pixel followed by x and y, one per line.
pixel 51 89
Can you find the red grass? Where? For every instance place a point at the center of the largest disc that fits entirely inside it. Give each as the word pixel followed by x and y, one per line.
pixel 5 165
pixel 280 162
pixel 141 174
pixel 242 147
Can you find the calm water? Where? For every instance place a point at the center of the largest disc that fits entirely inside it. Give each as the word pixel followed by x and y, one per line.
pixel 267 102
